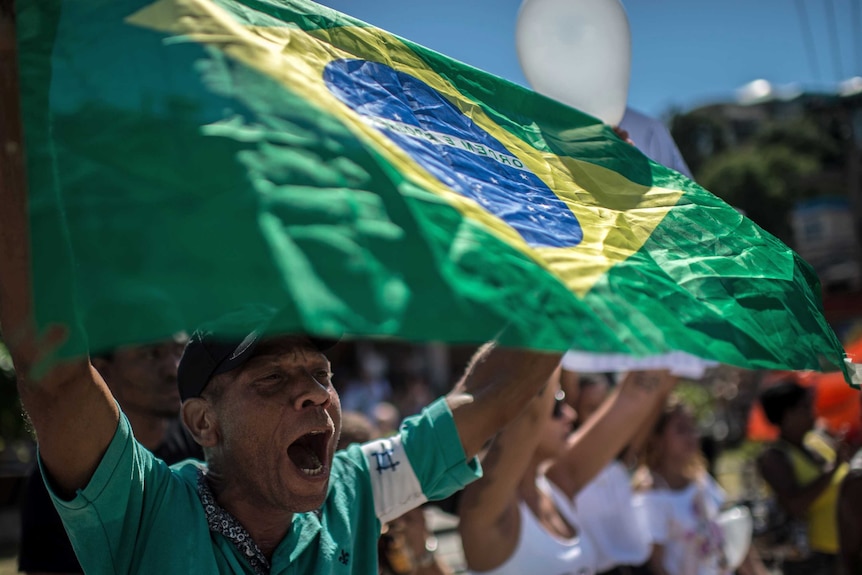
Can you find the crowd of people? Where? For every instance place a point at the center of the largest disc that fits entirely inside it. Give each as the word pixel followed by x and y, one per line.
pixel 592 477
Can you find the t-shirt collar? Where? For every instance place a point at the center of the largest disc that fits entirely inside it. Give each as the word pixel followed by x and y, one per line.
pixel 222 522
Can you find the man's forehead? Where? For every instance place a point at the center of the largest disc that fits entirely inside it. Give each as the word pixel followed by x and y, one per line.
pixel 286 347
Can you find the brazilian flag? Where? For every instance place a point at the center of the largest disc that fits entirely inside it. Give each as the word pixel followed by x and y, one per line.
pixel 189 157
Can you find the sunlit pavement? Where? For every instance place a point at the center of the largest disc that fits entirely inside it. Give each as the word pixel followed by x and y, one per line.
pixel 444 527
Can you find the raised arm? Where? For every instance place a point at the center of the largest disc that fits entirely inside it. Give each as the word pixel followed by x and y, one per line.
pixel 489 518
pixel 496 387
pixel 631 454
pixel 609 430
pixel 69 405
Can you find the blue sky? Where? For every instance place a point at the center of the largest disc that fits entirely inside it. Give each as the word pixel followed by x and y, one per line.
pixel 685 52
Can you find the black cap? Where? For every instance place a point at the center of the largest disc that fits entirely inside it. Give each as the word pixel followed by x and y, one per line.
pixel 226 344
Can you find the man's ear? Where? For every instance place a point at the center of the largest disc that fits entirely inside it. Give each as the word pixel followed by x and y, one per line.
pixel 200 419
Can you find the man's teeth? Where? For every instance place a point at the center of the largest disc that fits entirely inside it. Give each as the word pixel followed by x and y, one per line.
pixel 316 471
pixel 318 466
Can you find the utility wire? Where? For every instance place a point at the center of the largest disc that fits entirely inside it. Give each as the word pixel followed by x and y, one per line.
pixel 808 39
pixel 856 17
pixel 833 39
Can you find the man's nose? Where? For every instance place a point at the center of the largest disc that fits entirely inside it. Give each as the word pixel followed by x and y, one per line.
pixel 312 393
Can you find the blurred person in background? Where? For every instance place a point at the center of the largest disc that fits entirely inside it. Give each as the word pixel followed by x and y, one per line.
pixel 355 428
pixel 804 472
pixel 682 502
pixel 143 379
pixel 653 138
pixel 386 418
pixel 415 395
pixel 850 516
pixel 365 392
pixel 609 512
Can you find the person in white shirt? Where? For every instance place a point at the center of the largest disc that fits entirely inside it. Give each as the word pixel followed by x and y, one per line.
pixel 683 502
pixel 519 517
pixel 652 137
pixel 611 515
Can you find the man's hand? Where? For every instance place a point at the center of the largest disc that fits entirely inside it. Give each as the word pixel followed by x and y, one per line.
pixel 14 247
pixel 498 384
pixel 624 135
pixel 71 409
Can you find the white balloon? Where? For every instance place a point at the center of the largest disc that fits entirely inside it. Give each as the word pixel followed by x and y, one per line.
pixel 577 52
pixel 737 525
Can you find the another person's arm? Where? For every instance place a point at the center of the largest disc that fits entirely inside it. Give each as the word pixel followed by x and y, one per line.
pixel 489 517
pixel 70 406
pixel 610 429
pixel 632 453
pixel 497 386
pixel 776 470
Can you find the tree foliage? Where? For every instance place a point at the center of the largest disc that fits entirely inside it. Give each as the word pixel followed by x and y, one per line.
pixel 763 168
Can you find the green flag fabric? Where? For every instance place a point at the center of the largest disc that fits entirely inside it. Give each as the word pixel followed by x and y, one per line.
pixel 189 157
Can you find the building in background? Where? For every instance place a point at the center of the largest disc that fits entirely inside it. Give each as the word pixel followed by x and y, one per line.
pixel 823 234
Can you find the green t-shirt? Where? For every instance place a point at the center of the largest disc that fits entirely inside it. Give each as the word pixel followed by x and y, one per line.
pixel 137 515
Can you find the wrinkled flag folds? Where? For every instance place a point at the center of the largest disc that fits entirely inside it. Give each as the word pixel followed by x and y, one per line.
pixel 188 157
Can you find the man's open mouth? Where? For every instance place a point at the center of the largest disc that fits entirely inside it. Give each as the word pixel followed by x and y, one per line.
pixel 308 452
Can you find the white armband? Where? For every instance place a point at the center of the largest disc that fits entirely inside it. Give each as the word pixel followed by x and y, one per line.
pixel 394 484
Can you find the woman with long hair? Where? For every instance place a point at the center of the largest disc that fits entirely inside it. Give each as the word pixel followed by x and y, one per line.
pixel 683 502
pixel 611 514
